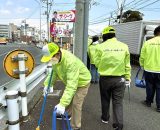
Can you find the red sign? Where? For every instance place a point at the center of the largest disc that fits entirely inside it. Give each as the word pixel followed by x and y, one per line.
pixel 64 16
pixel 61 29
pixel 53 30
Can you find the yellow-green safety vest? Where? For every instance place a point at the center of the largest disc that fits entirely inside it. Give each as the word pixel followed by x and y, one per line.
pixel 113 59
pixel 150 55
pixel 73 74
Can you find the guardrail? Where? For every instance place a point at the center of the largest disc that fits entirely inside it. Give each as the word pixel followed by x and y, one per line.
pixel 32 81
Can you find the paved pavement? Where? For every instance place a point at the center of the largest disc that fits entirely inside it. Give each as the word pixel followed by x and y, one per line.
pixel 136 116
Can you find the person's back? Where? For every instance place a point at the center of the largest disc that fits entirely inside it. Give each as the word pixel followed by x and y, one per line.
pixel 151 57
pixel 91 53
pixel 150 61
pixel 113 57
pixel 113 63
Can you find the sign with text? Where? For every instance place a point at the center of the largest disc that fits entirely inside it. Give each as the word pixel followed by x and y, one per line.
pixel 61 29
pixel 63 16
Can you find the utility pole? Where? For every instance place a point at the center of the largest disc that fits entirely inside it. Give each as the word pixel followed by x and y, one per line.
pixel 40 5
pixel 25 30
pixel 86 23
pixel 110 19
pixel 40 23
pixel 120 4
pixel 47 13
pixel 121 11
pixel 81 29
pixel 48 22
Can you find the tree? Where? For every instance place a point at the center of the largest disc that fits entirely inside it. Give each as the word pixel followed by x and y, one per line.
pixel 130 15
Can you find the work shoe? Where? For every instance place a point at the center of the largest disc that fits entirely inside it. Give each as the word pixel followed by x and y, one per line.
pixel 96 82
pixel 104 121
pixel 146 103
pixel 114 125
pixel 59 117
pixel 117 127
pixel 92 82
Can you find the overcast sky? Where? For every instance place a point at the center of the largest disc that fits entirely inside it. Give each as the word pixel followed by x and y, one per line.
pixel 14 11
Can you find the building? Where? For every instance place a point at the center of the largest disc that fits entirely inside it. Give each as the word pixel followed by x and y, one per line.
pixel 13 32
pixel 4 30
pixel 24 33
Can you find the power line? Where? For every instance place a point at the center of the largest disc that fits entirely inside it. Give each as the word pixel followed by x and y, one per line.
pixel 113 12
pixel 130 3
pixel 34 11
pixel 102 21
pixel 148 4
pixel 64 3
pixel 138 3
pixel 151 9
pixel 99 17
pixel 93 31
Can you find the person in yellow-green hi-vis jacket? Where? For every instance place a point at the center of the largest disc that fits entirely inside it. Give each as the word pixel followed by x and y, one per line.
pixel 88 59
pixel 113 63
pixel 150 62
pixel 76 77
pixel 91 54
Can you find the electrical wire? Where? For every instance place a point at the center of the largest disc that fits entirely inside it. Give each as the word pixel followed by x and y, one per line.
pixel 34 11
pixel 102 21
pixel 136 4
pixel 112 12
pixel 130 3
pixel 148 4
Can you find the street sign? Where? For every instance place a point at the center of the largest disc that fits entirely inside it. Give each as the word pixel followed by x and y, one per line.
pixel 61 29
pixel 11 65
pixel 64 16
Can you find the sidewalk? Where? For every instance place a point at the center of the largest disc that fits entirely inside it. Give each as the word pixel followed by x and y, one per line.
pixel 136 116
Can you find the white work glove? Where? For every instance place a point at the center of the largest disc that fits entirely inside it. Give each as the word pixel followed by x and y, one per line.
pixel 50 90
pixel 128 83
pixel 60 109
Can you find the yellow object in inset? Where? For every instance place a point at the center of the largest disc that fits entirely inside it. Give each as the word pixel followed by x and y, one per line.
pixel 38 128
pixel 10 64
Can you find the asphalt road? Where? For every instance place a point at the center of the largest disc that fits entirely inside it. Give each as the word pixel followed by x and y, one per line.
pixel 136 115
pixel 5 49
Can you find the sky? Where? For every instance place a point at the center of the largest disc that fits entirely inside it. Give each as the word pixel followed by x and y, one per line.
pixel 14 11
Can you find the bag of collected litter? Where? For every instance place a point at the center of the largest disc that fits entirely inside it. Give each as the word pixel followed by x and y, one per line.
pixel 140 83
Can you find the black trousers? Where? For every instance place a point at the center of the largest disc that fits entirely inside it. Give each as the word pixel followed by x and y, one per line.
pixel 112 87
pixel 152 87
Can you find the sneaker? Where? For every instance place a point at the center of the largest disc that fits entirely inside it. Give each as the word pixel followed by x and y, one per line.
pixel 116 127
pixel 59 117
pixel 104 121
pixel 96 82
pixel 92 82
pixel 146 103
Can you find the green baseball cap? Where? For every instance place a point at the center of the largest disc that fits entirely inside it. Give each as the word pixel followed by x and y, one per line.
pixel 108 29
pixel 49 51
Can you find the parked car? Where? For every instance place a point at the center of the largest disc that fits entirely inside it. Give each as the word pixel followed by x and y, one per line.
pixel 3 40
